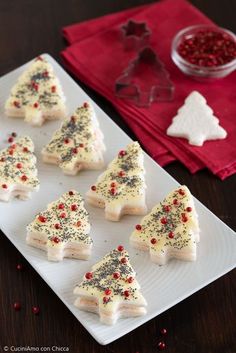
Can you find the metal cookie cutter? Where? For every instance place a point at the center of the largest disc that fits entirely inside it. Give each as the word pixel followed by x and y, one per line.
pixel 145 80
pixel 135 35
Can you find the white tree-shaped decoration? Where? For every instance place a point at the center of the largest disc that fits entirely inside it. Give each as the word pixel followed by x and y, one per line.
pixel 195 121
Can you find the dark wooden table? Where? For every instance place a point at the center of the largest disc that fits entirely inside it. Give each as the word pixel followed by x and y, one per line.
pixel 206 321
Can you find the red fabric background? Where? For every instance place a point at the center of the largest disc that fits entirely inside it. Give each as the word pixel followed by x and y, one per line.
pixel 97 57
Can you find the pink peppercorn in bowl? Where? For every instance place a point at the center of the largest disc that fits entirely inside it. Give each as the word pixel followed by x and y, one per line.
pixel 204 52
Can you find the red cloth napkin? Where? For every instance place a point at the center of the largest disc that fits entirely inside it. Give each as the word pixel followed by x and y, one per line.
pixel 97 57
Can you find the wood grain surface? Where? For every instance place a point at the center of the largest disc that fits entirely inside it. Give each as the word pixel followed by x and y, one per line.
pixel 203 323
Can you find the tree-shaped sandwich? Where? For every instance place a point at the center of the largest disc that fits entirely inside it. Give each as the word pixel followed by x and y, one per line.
pixel 37 95
pixel 170 230
pixel 78 144
pixel 18 172
pixel 121 188
pixel 62 230
pixel 111 289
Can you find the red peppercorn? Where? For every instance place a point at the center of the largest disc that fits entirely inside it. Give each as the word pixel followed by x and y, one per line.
pixel 116 275
pixel 10 139
pixel 107 291
pixel 63 215
pixel 45 74
pixel 25 149
pixel 74 207
pixel 184 217
pixel 171 235
pixel 11 152
pixel 153 241
pixel 164 220
pixel 126 293
pixel 93 187
pixel 19 267
pixel 78 223
pixel 89 275
pixel 36 105
pixel 121 173
pixel 56 240
pixel 42 219
pixel 85 105
pixel 130 279
pixel 208 48
pixel 189 209
pixel 19 165
pixel 35 85
pixel 2 159
pixel 122 153
pixel 163 331
pixel 13 146
pixel 113 191
pixel 35 310
pixel 16 306
pixel 24 177
pixel 39 58
pixel 71 193
pixel 175 202
pixel 161 345
pixel 53 89
pixel 75 150
pixel 138 226
pixel 105 300
pixel 81 145
pixel 181 192
pixel 61 206
pixel 120 248
pixel 4 186
pixel 123 260
pixel 16 104
pixel 57 226
pixel 167 208
pixel 72 119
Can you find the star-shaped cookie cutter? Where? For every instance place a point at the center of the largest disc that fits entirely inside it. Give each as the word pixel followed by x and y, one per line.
pixel 135 35
pixel 145 80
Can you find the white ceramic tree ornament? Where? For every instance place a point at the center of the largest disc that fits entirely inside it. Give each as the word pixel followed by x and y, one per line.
pixel 195 122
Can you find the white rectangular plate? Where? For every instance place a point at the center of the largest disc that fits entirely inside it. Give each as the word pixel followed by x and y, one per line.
pixel 163 286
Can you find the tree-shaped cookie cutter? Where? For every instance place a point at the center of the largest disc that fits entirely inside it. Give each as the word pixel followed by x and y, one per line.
pixel 135 35
pixel 145 80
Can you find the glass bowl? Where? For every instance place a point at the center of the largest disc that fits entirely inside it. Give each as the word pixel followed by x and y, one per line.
pixel 197 71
